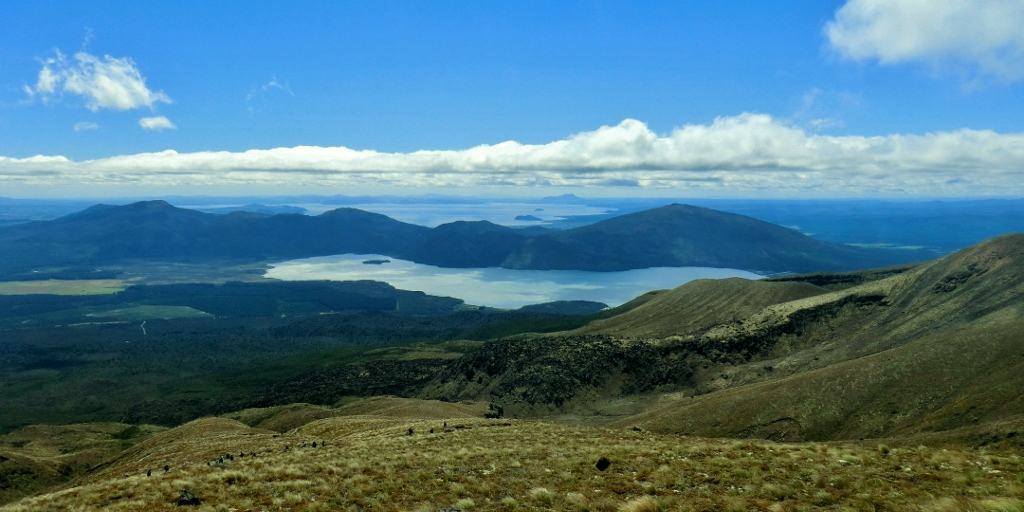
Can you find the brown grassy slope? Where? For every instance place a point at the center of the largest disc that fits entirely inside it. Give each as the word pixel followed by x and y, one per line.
pixel 944 381
pixel 951 292
pixel 479 464
pixel 38 457
pixel 699 305
pixel 930 343
pixel 833 281
pixel 397 407
pixel 1000 435
pixel 283 418
pixel 944 348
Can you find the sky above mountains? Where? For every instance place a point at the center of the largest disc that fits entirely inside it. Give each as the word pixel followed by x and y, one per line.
pixel 751 99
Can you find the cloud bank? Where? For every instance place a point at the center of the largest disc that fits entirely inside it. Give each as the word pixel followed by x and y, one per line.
pixel 981 36
pixel 104 82
pixel 747 154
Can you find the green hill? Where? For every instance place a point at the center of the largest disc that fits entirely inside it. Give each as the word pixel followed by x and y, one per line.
pixel 699 305
pixel 940 349
pixel 935 347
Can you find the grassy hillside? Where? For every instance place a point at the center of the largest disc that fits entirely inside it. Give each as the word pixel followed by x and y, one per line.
pixel 888 390
pixel 943 381
pixel 936 347
pixel 699 305
pixel 373 462
pixel 940 350
pixel 38 457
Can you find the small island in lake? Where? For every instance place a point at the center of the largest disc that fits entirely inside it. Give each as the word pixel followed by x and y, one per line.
pixel 375 262
pixel 528 217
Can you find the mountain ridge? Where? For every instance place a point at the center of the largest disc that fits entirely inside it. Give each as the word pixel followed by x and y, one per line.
pixel 931 348
pixel 674 235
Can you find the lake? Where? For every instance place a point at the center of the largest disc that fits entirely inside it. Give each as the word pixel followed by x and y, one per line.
pixel 498 287
pixel 434 214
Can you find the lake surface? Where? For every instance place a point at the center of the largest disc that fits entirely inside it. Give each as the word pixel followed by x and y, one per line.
pixel 498 287
pixel 498 212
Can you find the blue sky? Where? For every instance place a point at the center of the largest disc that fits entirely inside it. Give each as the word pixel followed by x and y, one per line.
pixel 398 77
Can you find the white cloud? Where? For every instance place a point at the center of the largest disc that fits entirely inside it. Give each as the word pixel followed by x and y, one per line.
pixel 104 82
pixel 983 36
pixel 85 126
pixel 156 123
pixel 270 86
pixel 47 81
pixel 747 154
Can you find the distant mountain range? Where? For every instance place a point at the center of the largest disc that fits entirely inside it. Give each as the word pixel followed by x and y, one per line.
pixel 255 208
pixel 674 235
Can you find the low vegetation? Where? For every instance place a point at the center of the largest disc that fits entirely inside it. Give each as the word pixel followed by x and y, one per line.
pixel 166 354
pixel 896 389
pixel 62 287
pixel 382 460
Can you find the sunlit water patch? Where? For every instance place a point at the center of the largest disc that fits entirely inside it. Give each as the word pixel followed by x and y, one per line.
pixel 498 287
pixel 509 213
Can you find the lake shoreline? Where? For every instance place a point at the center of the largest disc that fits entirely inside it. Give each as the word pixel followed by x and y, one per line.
pixel 498 287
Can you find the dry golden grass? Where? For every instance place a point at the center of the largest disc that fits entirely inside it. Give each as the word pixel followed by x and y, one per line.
pixel 282 418
pixel 411 408
pixel 699 305
pixel 372 463
pixel 286 417
pixel 62 287
pixel 39 457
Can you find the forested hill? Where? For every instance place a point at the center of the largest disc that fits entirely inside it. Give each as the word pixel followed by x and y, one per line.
pixel 674 235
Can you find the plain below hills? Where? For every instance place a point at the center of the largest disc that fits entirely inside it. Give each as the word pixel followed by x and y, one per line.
pixel 670 236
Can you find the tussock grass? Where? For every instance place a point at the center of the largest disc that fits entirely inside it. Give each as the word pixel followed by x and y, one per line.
pixel 371 463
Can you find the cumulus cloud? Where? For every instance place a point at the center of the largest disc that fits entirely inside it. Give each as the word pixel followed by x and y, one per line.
pixel 984 36
pixel 156 124
pixel 85 126
pixel 104 82
pixel 747 154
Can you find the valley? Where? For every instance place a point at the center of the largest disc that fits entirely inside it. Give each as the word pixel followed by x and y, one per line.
pixel 900 383
pixel 573 256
